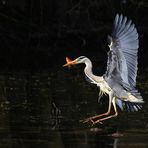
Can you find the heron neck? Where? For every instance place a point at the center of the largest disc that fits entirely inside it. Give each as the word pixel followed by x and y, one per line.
pixel 89 73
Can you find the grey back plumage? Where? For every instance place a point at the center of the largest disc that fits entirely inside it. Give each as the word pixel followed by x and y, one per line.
pixel 122 57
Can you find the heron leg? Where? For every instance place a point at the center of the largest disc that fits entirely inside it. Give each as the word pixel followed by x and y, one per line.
pixel 100 115
pixel 111 116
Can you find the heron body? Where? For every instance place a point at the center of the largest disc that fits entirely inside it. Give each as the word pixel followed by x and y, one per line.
pixel 117 89
pixel 119 80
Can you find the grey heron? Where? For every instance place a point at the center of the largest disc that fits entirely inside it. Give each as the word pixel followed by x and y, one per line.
pixel 119 80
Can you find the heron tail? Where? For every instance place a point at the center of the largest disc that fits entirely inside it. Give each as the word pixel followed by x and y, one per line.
pixel 135 97
pixel 130 106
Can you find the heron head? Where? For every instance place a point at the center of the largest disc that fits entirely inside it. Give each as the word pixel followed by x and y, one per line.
pixel 78 60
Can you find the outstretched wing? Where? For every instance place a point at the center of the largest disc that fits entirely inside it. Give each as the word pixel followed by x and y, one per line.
pixel 122 57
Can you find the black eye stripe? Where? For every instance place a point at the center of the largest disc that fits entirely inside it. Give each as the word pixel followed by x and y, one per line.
pixel 82 57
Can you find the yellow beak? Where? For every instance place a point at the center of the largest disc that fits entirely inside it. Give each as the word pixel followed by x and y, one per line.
pixel 69 62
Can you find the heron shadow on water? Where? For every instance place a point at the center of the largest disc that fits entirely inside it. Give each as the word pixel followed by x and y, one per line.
pixel 119 80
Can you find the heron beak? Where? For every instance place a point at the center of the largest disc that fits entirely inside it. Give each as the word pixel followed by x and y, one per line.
pixel 69 62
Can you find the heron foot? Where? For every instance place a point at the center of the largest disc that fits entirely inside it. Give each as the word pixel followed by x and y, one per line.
pixel 90 121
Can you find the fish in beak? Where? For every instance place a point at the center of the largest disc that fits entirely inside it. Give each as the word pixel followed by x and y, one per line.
pixel 69 62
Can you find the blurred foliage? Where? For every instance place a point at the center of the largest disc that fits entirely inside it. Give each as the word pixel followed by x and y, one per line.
pixel 58 100
pixel 33 32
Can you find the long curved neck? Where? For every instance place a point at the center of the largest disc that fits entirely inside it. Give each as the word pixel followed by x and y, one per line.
pixel 89 73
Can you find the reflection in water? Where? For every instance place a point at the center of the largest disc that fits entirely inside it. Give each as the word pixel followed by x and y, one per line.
pixel 44 138
pixel 37 112
pixel 115 143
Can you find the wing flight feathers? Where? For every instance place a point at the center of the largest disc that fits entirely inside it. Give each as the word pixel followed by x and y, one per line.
pixel 124 44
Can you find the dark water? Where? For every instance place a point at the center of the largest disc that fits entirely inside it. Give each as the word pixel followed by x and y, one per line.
pixel 43 109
